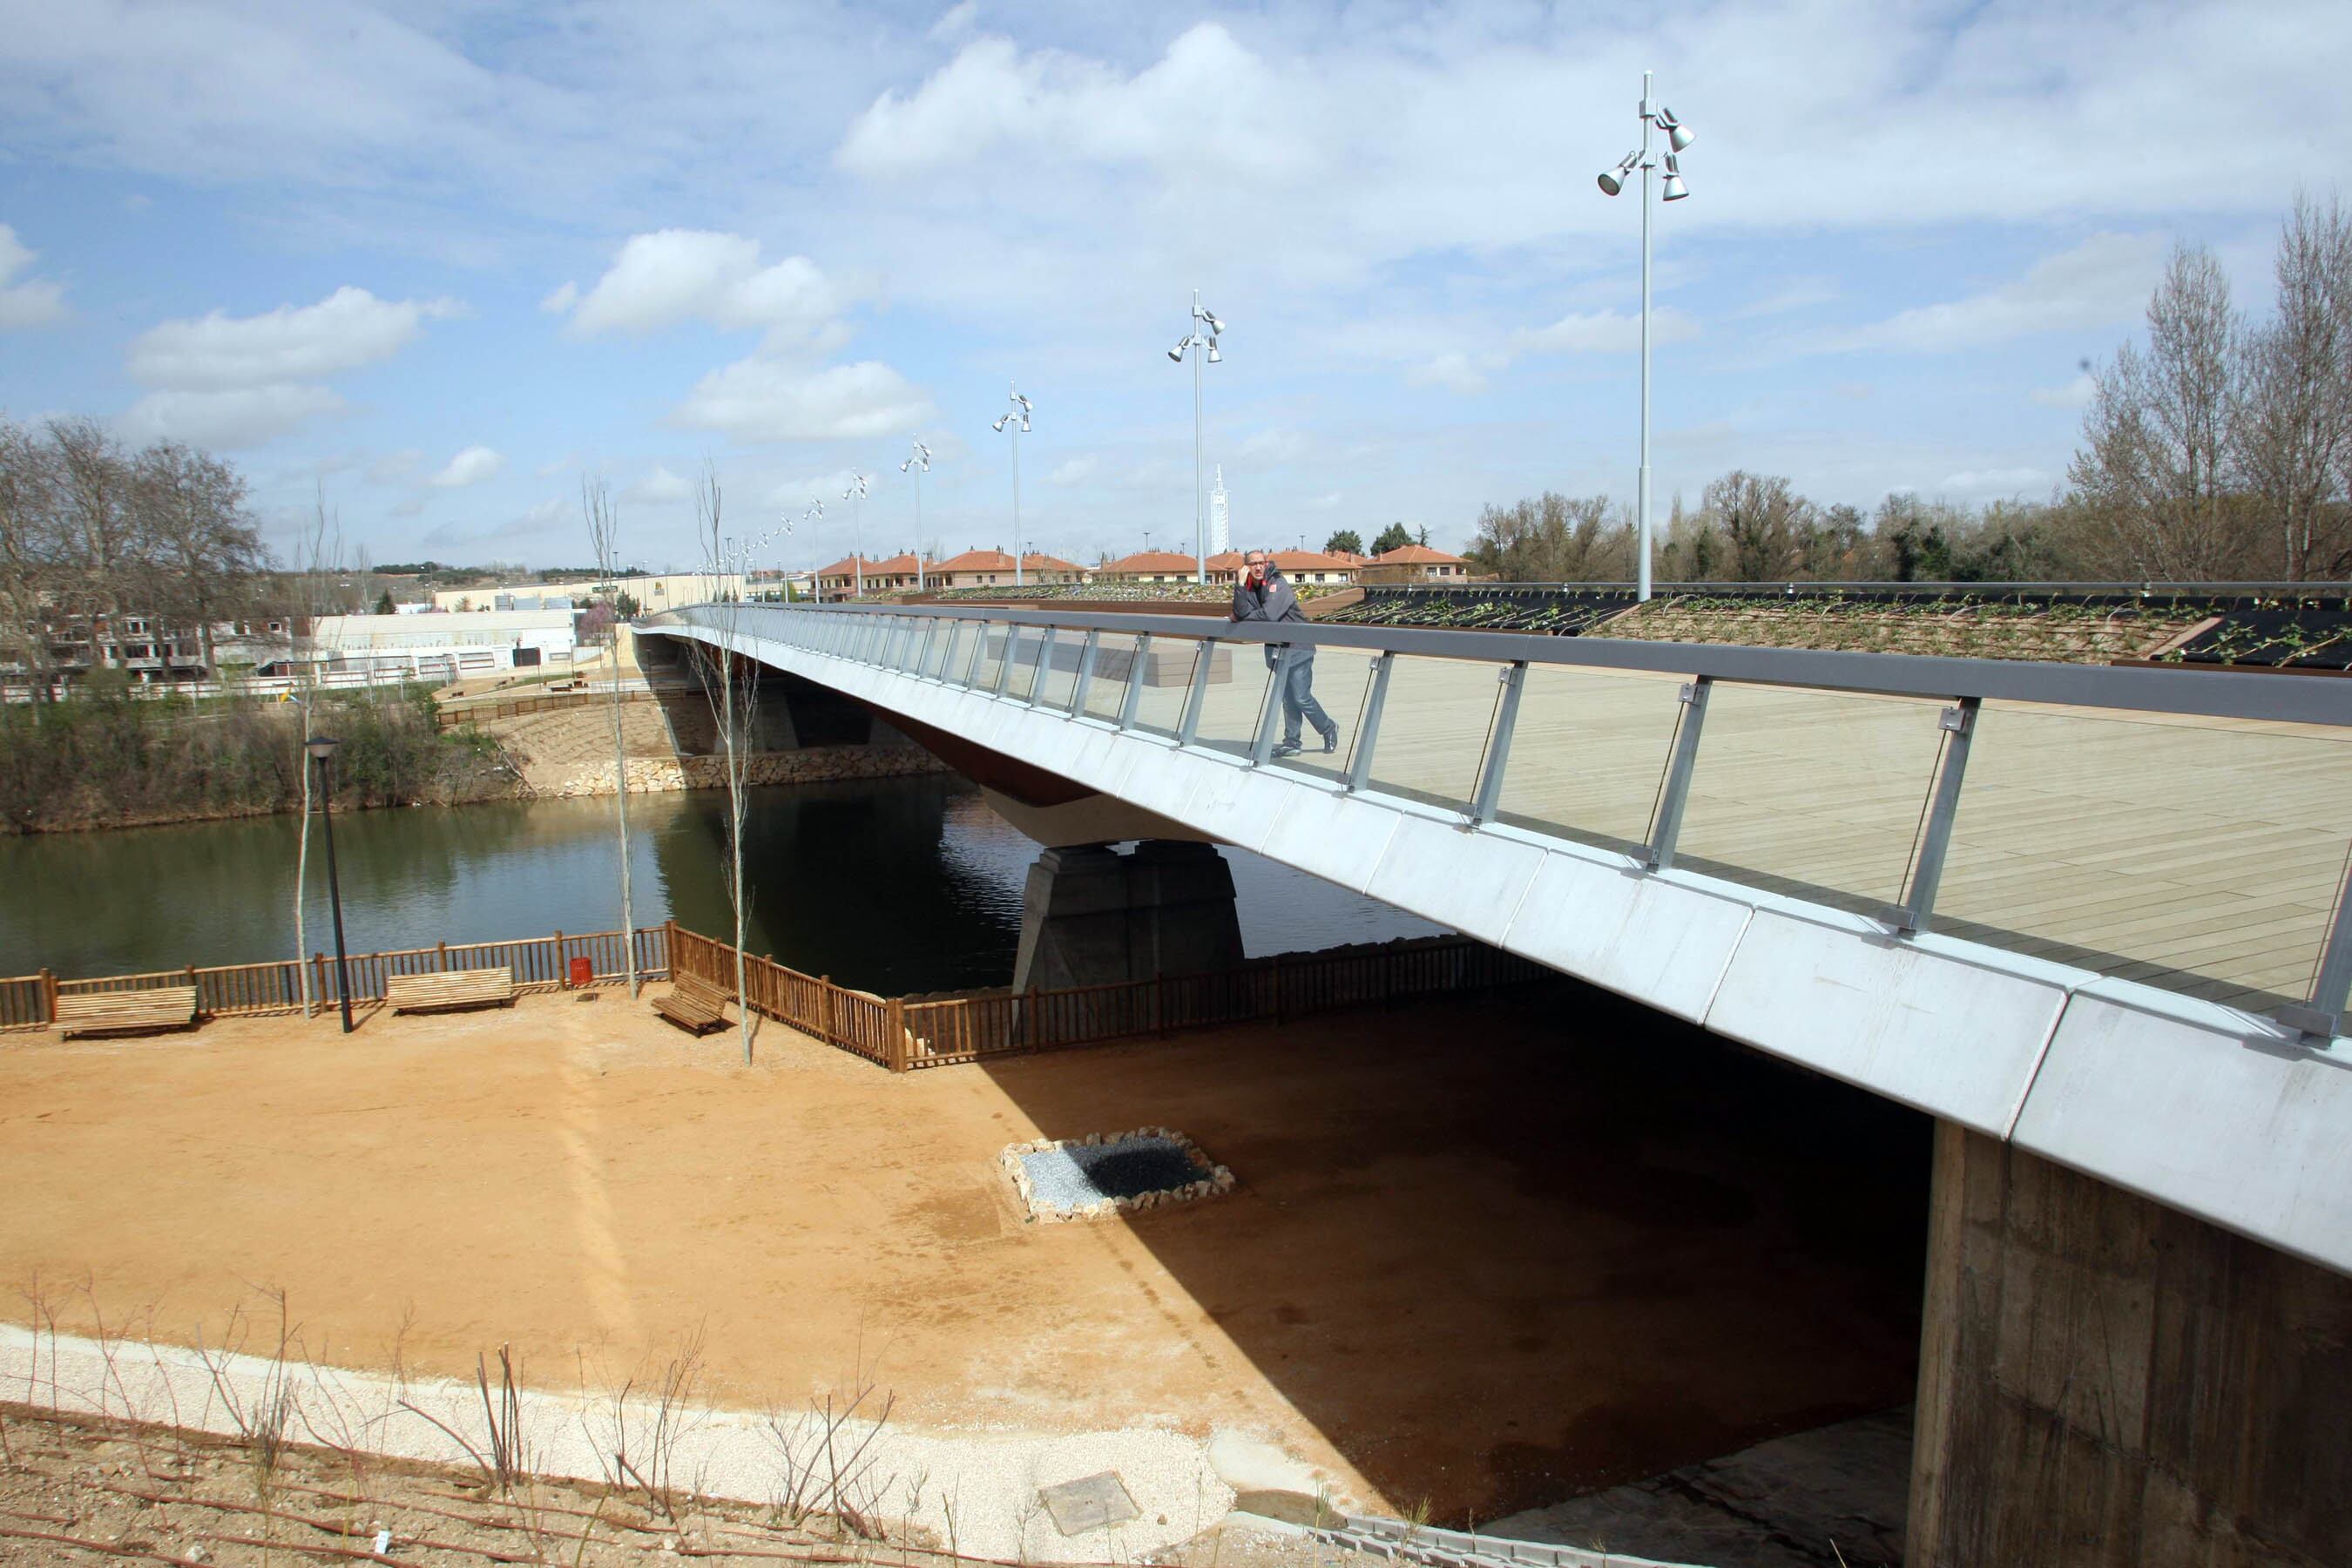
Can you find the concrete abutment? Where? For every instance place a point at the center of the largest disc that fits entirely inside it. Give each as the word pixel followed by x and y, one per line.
pixel 2106 1381
pixel 1092 916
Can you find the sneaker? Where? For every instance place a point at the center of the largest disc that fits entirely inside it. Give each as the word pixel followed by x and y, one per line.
pixel 1287 748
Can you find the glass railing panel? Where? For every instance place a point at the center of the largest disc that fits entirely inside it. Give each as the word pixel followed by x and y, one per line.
pixel 1587 754
pixel 1167 677
pixel 993 638
pixel 1818 795
pixel 1434 729
pixel 957 657
pixel 1059 677
pixel 2200 854
pixel 1340 681
pixel 1025 643
pixel 1235 695
pixel 1114 661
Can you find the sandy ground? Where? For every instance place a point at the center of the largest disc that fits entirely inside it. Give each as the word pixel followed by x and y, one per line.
pixel 1487 1257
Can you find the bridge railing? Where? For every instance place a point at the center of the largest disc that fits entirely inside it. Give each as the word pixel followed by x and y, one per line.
pixel 2185 827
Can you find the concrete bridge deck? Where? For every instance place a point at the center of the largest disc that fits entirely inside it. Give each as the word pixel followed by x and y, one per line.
pixel 2094 912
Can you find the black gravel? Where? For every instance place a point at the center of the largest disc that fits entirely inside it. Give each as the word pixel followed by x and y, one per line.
pixel 1079 1174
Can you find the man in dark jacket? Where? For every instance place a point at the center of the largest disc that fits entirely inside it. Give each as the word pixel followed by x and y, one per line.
pixel 1264 595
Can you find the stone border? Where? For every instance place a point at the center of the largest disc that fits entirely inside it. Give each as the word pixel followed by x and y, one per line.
pixel 1214 1179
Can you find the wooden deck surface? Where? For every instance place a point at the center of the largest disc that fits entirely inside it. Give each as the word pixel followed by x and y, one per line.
pixel 2201 855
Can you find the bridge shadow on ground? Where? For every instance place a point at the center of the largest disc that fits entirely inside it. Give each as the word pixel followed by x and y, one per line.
pixel 1506 1251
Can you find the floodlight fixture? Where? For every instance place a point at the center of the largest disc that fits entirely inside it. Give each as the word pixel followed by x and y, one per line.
pixel 1656 117
pixel 919 462
pixel 1015 419
pixel 1202 347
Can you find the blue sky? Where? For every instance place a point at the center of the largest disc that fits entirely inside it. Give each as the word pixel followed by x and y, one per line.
pixel 445 259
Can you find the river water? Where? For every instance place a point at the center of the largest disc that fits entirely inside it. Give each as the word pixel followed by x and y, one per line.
pixel 891 885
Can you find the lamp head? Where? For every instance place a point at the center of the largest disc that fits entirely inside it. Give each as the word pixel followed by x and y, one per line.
pixel 320 747
pixel 1613 180
pixel 1678 136
pixel 1675 190
pixel 1177 354
pixel 1216 326
pixel 999 426
pixel 1214 357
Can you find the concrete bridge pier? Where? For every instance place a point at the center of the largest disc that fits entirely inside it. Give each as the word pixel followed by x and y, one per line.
pixel 1092 916
pixel 2107 1380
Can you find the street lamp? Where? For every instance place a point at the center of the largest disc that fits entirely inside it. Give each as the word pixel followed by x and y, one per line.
pixel 322 752
pixel 1014 421
pixel 855 496
pixel 918 462
pixel 1202 347
pixel 1678 137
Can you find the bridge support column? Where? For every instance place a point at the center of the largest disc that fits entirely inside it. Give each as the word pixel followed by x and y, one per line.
pixel 2106 1381
pixel 1091 916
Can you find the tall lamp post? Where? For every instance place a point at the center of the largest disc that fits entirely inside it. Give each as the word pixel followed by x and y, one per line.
pixel 855 496
pixel 1678 137
pixel 1201 343
pixel 1014 421
pixel 322 752
pixel 919 463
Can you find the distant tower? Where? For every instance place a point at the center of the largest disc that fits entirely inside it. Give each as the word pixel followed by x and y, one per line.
pixel 1220 533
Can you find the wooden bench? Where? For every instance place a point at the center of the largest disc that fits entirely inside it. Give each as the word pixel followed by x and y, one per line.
pixel 127 1011
pixel 694 1005
pixel 449 989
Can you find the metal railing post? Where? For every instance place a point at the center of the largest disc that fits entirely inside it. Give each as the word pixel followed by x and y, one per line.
pixel 1132 697
pixel 2331 986
pixel 1918 905
pixel 1086 673
pixel 1004 665
pixel 1489 788
pixel 1044 663
pixel 1189 724
pixel 1262 747
pixel 1360 766
pixel 971 665
pixel 1669 825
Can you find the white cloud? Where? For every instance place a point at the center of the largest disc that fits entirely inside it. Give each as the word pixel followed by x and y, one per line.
pixel 1277 446
pixel 541 518
pixel 765 399
pixel 470 467
pixel 1994 481
pixel 1456 371
pixel 33 302
pixel 659 486
pixel 396 467
pixel 681 275
pixel 244 416
pixel 2102 282
pixel 954 22
pixel 1075 471
pixel 1606 331
pixel 2076 393
pixel 347 329
pixel 1325 502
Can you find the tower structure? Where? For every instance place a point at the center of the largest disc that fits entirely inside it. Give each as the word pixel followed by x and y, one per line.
pixel 1221 534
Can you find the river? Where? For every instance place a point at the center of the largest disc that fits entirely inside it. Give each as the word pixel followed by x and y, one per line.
pixel 893 885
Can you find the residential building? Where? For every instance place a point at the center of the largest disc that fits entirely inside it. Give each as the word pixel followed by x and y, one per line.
pixel 1416 563
pixel 1148 566
pixel 457 642
pixel 993 569
pixel 840 580
pixel 652 592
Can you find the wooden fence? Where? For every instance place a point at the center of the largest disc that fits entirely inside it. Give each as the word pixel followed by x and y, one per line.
pixel 277 986
pixel 893 1032
pixel 469 713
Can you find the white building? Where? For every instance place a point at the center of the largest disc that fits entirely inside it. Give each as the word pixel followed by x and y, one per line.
pixel 457 643
pixel 1221 533
pixel 664 590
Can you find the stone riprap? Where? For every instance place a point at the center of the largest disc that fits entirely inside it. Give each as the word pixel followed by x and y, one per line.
pixel 1103 1175
pixel 814 764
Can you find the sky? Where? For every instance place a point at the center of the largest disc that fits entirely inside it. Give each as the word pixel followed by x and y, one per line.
pixel 439 263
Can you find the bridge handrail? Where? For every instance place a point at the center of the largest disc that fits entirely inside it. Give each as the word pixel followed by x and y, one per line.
pixel 2283 698
pixel 886 637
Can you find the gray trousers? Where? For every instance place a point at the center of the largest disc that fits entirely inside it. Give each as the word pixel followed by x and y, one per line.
pixel 1298 702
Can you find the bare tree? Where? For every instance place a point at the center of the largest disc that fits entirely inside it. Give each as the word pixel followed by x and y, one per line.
pixel 30 552
pixel 1763 520
pixel 2157 466
pixel 1555 539
pixel 2294 435
pixel 200 544
pixel 731 685
pixel 603 527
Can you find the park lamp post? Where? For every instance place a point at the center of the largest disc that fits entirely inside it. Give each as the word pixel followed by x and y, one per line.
pixel 322 750
pixel 1202 344
pixel 855 496
pixel 1014 421
pixel 1678 137
pixel 919 463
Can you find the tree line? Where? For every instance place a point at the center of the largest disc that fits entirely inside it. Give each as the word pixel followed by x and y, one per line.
pixel 2222 451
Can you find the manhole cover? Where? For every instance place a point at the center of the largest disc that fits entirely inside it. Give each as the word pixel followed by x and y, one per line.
pixel 1090 1502
pixel 1089 1177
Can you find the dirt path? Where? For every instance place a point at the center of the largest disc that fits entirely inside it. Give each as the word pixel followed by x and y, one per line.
pixel 1475 1257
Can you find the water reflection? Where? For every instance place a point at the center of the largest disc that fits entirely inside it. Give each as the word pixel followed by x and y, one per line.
pixel 896 885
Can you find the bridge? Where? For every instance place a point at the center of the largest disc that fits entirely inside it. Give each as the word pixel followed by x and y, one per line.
pixel 2091 919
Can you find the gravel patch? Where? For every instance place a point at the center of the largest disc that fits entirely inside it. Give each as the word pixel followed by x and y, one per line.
pixel 1101 1175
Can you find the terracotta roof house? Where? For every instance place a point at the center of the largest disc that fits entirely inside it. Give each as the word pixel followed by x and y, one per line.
pixel 1148 566
pixel 995 569
pixel 839 581
pixel 1423 563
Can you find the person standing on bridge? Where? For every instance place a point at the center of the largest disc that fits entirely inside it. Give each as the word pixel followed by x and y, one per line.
pixel 1265 595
